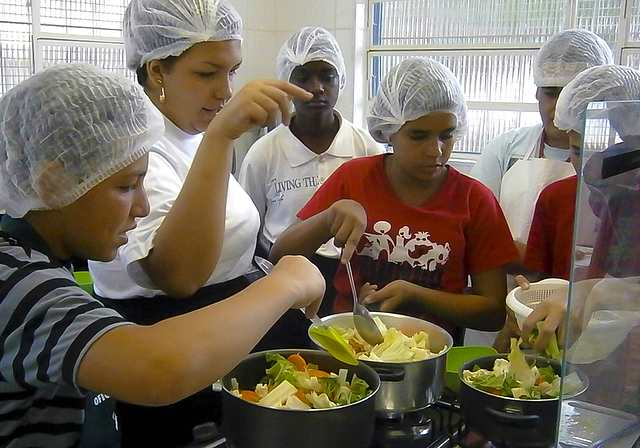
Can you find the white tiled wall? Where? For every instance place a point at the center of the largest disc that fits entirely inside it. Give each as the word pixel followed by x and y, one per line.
pixel 268 23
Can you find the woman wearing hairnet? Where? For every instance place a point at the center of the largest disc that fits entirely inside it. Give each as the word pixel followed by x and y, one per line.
pixel 518 164
pixel 604 83
pixel 284 168
pixel 415 226
pixel 197 243
pixel 72 163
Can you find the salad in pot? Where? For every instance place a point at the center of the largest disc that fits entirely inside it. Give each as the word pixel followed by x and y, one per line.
pixel 514 377
pixel 292 383
pixel 396 347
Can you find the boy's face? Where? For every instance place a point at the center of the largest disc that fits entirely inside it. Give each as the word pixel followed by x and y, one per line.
pixel 95 225
pixel 547 98
pixel 322 80
pixel 575 145
pixel 422 147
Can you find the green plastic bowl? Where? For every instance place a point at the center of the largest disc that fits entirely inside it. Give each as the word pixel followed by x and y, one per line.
pixel 84 280
pixel 458 356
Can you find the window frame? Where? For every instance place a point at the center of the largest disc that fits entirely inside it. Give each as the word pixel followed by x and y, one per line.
pixel 623 50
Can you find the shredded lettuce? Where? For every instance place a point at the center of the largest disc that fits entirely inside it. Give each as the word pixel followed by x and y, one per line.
pixel 396 347
pixel 281 370
pixel 552 350
pixel 513 377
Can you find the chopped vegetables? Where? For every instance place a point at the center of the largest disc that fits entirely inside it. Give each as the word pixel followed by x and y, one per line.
pixel 294 384
pixel 396 347
pixel 552 350
pixel 513 377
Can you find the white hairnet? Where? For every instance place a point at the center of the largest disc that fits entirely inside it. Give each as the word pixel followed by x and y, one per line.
pixel 602 83
pixel 412 89
pixel 306 45
pixel 566 54
pixel 156 29
pixel 76 124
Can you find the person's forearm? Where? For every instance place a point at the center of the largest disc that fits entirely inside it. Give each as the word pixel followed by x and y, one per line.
pixel 301 238
pixel 168 361
pixel 463 310
pixel 188 243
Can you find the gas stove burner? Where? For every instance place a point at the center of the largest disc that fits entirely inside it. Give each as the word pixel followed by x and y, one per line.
pixel 406 431
pixel 432 427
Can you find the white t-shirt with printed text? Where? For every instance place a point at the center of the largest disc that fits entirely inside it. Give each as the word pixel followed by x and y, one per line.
pixel 281 174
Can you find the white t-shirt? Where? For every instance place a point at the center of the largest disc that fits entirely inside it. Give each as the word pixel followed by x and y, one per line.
pixel 169 163
pixel 503 150
pixel 281 174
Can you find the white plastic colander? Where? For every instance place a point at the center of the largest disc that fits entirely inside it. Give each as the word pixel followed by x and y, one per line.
pixel 604 332
pixel 523 301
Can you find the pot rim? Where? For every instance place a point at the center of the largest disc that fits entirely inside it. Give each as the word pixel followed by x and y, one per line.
pixel 382 314
pixel 302 352
pixel 468 365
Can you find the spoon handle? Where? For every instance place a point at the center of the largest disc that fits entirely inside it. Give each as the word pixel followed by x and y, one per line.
pixel 352 282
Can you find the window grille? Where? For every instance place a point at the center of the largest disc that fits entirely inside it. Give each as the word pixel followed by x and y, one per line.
pixel 490 45
pixel 83 18
pixel 106 56
pixel 16 59
pixel 35 34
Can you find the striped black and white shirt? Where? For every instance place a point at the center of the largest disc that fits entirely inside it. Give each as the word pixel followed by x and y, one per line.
pixel 47 323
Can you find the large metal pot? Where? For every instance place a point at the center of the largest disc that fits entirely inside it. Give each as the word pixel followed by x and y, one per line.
pixel 510 421
pixel 406 386
pixel 250 425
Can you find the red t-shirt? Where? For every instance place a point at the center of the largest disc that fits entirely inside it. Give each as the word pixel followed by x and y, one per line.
pixel 458 231
pixel 550 241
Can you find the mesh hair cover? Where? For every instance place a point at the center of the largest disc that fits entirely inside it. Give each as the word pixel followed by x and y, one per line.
pixel 156 29
pixel 602 83
pixel 566 54
pixel 75 124
pixel 306 45
pixel 412 89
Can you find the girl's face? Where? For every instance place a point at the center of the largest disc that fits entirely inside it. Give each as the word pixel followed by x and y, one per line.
pixel 422 147
pixel 197 84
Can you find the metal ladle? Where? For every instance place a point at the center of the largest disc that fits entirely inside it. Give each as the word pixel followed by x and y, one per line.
pixel 365 325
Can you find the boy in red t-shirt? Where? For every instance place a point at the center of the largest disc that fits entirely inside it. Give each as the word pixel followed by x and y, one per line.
pixel 417 228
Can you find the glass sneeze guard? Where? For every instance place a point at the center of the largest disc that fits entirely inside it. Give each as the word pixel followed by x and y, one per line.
pixel 605 284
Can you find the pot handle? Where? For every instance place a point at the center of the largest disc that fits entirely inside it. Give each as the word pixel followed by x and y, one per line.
pixel 516 419
pixel 391 374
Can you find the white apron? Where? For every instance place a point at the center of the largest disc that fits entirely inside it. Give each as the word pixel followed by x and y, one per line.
pixel 521 186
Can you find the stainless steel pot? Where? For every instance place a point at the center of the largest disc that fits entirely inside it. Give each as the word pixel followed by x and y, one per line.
pixel 510 421
pixel 405 386
pixel 250 425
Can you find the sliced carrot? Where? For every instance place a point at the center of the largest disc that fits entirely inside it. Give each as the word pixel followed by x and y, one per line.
pixel 356 345
pixel 318 373
pixel 302 397
pixel 493 391
pixel 297 361
pixel 250 395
